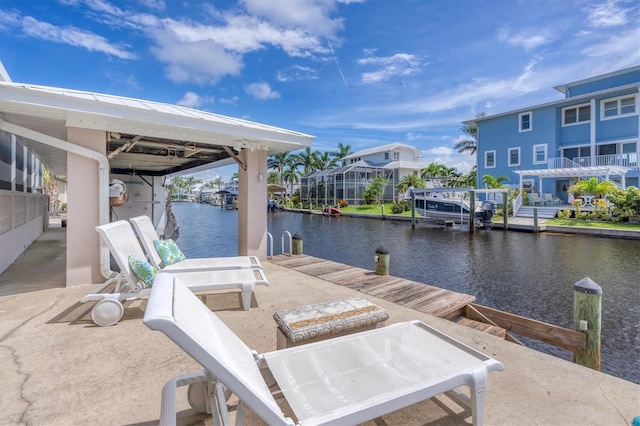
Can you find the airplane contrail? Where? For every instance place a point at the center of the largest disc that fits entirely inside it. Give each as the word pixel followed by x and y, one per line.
pixel 337 64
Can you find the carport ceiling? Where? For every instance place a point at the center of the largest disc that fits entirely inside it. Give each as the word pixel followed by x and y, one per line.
pixel 129 154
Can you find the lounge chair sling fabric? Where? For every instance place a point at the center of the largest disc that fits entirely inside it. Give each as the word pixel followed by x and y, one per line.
pixel 147 233
pixel 346 380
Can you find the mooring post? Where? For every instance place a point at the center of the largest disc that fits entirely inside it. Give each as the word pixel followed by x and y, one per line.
pixel 382 260
pixel 587 315
pixel 413 210
pixel 296 244
pixel 535 220
pixel 472 212
pixel 382 210
pixel 505 212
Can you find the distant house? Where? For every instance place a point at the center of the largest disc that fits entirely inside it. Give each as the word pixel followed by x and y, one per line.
pixel 392 162
pixel 592 132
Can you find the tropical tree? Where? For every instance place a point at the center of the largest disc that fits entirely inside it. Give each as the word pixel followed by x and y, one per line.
pixel 279 162
pixel 435 170
pixel 470 179
pixel 325 161
pixel 190 182
pixel 273 177
pixel 374 190
pixel 217 183
pixel 409 181
pixel 291 176
pixel 178 184
pixel 343 151
pixel 307 159
pixel 50 188
pixel 494 183
pixel 592 187
pixel 469 142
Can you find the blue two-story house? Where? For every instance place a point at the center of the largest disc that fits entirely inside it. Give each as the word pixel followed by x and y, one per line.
pixel 592 132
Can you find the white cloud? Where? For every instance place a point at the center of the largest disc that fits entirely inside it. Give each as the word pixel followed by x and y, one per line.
pixel 261 91
pixel 31 27
pixel 607 14
pixel 398 65
pixel 312 15
pixel 201 62
pixel 154 4
pixel 297 73
pixel 529 39
pixel 193 100
pixel 229 101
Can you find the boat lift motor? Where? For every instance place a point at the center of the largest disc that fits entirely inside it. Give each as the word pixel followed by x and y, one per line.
pixel 485 213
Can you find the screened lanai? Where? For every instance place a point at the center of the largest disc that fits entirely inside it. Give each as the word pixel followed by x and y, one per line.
pixel 328 187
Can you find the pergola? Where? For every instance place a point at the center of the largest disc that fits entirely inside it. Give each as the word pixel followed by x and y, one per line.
pixel 573 172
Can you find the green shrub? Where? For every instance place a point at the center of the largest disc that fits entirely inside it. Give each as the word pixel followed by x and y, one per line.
pixel 397 208
pixel 564 214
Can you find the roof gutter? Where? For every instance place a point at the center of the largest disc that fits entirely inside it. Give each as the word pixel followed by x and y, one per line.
pixel 103 176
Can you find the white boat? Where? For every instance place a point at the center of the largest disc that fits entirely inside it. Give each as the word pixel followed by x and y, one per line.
pixel 439 205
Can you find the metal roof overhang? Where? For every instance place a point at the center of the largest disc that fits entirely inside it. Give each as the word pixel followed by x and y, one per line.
pixel 574 172
pixel 142 136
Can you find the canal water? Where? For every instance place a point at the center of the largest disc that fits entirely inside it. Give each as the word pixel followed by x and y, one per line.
pixel 522 273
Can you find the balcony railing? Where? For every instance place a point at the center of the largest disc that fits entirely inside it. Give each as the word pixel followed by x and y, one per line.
pixel 624 160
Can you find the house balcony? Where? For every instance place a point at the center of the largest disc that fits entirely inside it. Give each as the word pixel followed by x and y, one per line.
pixel 628 160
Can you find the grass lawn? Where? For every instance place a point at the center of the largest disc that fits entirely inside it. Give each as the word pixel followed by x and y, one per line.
pixel 372 209
pixel 593 224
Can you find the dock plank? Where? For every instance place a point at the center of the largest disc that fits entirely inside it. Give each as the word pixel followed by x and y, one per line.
pixel 419 296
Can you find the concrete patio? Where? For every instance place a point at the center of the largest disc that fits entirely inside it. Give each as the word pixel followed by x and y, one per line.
pixel 58 368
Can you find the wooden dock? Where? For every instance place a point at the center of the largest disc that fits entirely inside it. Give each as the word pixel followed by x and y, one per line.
pixel 419 296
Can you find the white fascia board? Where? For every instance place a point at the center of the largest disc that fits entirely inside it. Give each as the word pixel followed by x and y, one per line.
pixel 110 113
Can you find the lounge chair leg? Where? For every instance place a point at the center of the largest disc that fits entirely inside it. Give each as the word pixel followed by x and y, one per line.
pixel 219 411
pixel 246 299
pixel 477 391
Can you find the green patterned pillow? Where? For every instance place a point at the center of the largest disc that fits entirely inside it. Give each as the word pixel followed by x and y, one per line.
pixel 143 270
pixel 168 251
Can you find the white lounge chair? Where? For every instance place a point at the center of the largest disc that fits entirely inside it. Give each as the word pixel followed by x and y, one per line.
pixel 122 242
pixel 346 380
pixel 147 234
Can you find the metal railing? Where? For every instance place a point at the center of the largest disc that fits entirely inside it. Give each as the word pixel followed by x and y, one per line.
pixel 625 160
pixel 285 234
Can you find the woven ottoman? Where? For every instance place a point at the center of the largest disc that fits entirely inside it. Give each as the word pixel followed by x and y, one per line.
pixel 311 323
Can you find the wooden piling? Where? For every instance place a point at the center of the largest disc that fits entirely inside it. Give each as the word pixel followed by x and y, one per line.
pixel 472 212
pixel 535 220
pixel 505 211
pixel 382 260
pixel 413 210
pixel 296 244
pixel 587 315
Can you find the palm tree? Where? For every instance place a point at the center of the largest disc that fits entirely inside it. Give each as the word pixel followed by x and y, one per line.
pixel 307 159
pixel 218 183
pixel 592 187
pixel 324 161
pixel 291 175
pixel 435 170
pixel 190 182
pixel 470 142
pixel 409 181
pixel 493 183
pixel 343 151
pixel 278 162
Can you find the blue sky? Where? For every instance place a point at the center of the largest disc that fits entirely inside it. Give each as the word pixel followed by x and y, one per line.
pixel 357 72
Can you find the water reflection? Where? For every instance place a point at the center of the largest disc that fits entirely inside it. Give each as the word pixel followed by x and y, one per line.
pixel 522 273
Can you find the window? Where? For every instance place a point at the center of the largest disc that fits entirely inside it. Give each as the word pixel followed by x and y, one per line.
pixel 540 154
pixel 619 107
pixel 576 115
pixel 386 155
pixel 514 156
pixel 490 159
pixel 525 121
pixel 396 155
pixel 5 160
